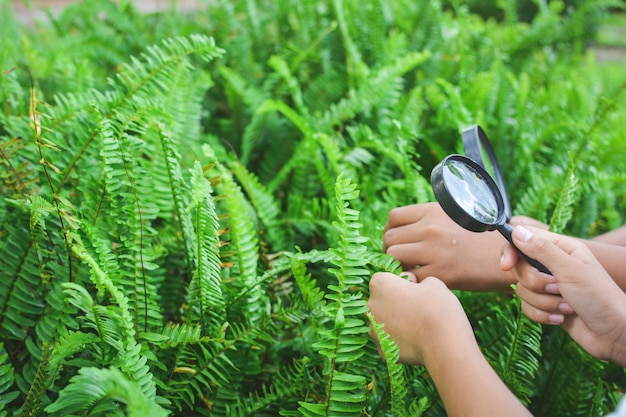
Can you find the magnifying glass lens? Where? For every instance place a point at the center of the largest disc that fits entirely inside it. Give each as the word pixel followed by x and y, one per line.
pixel 471 191
pixel 471 198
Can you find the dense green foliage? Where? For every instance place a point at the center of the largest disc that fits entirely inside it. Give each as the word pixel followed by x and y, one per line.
pixel 192 204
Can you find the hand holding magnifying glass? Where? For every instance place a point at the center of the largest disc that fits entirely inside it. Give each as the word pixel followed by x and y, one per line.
pixel 471 198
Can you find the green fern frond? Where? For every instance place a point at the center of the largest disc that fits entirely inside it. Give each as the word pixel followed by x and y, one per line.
pixel 19 173
pixel 379 261
pixel 71 343
pixel 395 370
pixel 105 322
pixel 266 207
pixel 39 384
pixel 180 195
pixel 131 212
pixel 281 67
pixel 102 392
pixel 308 216
pixel 243 233
pixel 383 83
pixel 290 382
pixel 243 242
pixel 356 68
pixel 299 120
pixel 536 199
pixel 307 285
pixel 253 97
pixel 342 333
pixel 7 381
pixel 122 325
pixel 572 383
pixel 143 75
pixel 20 272
pixel 198 370
pixel 512 343
pixel 7 377
pixel 140 84
pixel 564 209
pixel 206 300
pixel 175 334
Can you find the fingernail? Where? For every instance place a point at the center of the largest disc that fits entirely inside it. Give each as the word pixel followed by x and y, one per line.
pixel 552 288
pixel 408 276
pixel 522 234
pixel 556 318
pixel 565 308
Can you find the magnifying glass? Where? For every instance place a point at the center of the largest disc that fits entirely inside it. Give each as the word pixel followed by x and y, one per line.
pixel 478 148
pixel 471 198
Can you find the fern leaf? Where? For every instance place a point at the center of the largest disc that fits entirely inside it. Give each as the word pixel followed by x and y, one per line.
pixel 179 194
pixel 122 323
pixel 99 391
pixel 564 205
pixel 266 207
pixel 131 212
pixel 281 66
pixel 142 75
pixel 308 288
pixel 289 383
pixel 7 381
pixel 244 242
pixel 39 385
pixel 514 349
pixel 342 339
pixel 20 273
pixel 395 370
pixel 205 293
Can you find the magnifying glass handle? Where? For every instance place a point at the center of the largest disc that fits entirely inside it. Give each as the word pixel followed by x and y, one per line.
pixel 506 230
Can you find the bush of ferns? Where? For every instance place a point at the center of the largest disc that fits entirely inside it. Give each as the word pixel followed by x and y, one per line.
pixel 193 202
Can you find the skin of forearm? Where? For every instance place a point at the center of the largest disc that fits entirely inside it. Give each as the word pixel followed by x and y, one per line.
pixel 467 384
pixel 612 258
pixel 614 237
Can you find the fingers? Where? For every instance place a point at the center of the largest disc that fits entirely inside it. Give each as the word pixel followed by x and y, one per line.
pixel 409 276
pixel 398 236
pixel 508 257
pixel 560 252
pixel 528 221
pixel 402 224
pixel 542 300
pixel 543 308
pixel 542 316
pixel 401 216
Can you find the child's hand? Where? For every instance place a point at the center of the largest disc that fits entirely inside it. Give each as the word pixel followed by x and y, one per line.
pixel 419 317
pixel 580 295
pixel 428 243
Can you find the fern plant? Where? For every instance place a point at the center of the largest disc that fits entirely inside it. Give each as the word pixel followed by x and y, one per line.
pixel 192 203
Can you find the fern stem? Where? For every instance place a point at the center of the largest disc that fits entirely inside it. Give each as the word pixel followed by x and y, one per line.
pixel 16 174
pixel 39 385
pixel 45 165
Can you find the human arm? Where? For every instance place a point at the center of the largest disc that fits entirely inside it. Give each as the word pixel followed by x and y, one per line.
pixel 428 243
pixel 614 237
pixel 597 317
pixel 610 250
pixel 430 327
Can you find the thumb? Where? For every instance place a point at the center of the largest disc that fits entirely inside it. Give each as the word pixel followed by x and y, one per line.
pixel 556 252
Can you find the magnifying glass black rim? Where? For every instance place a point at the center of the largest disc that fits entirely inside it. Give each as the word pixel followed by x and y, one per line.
pixel 473 137
pixel 453 209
